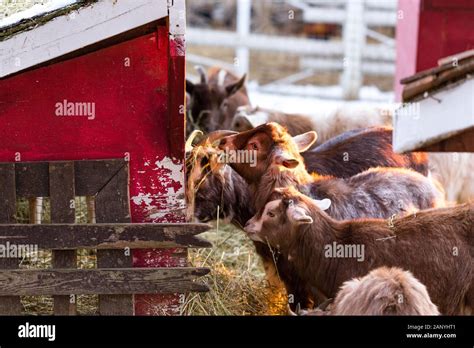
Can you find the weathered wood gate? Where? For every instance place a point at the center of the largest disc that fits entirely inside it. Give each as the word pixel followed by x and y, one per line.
pixel 114 237
pixel 125 59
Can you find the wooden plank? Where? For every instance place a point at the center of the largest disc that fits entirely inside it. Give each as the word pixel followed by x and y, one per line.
pixel 9 305
pixel 458 57
pixel 128 281
pixel 32 178
pixel 91 24
pixel 424 73
pixel 112 204
pixel 434 83
pixel 411 132
pixel 418 86
pixel 92 176
pixel 106 236
pixel 61 184
pixel 462 142
pixel 7 193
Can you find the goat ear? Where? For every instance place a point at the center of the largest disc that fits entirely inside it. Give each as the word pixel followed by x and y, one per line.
pixel 323 204
pixel 234 87
pixel 305 140
pixel 189 87
pixel 298 215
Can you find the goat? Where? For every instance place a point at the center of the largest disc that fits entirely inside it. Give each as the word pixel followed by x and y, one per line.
pixel 328 126
pixel 436 245
pixel 214 100
pixel 384 291
pixel 211 184
pixel 454 171
pixel 225 188
pixel 379 192
pixel 357 150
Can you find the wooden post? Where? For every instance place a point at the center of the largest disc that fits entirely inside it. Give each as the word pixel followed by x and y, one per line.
pixel 354 43
pixel 90 202
pixel 112 205
pixel 62 193
pixel 9 305
pixel 244 11
pixel 35 209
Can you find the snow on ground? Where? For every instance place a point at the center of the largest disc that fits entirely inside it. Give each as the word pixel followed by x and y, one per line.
pixel 319 101
pixel 35 10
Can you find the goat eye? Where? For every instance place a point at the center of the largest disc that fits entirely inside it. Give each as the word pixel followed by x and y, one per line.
pixel 204 161
pixel 270 214
pixel 253 146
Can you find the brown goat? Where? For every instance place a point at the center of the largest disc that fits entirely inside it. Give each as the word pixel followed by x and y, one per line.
pixel 211 184
pixel 352 151
pixel 357 150
pixel 384 291
pixel 380 192
pixel 225 188
pixel 214 100
pixel 377 192
pixel 436 245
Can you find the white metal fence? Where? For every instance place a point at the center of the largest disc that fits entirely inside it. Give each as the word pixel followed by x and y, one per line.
pixel 353 56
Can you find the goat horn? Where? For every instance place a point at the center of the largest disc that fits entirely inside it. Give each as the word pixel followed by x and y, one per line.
pixel 290 312
pixel 189 143
pixel 202 73
pixel 213 136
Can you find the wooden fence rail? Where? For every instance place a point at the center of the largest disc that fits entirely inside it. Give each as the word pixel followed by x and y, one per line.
pixel 105 183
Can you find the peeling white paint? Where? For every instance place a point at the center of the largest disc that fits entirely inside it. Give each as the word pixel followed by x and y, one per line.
pixel 169 177
pixel 168 163
pixel 142 199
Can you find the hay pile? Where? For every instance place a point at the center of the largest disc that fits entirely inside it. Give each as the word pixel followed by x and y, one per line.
pixel 237 281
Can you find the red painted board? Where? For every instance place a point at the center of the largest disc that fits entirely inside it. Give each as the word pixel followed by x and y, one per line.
pixel 428 30
pixel 128 88
pixel 445 29
pixel 150 304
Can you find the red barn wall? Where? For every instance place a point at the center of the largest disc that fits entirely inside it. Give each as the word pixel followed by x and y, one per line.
pixel 135 117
